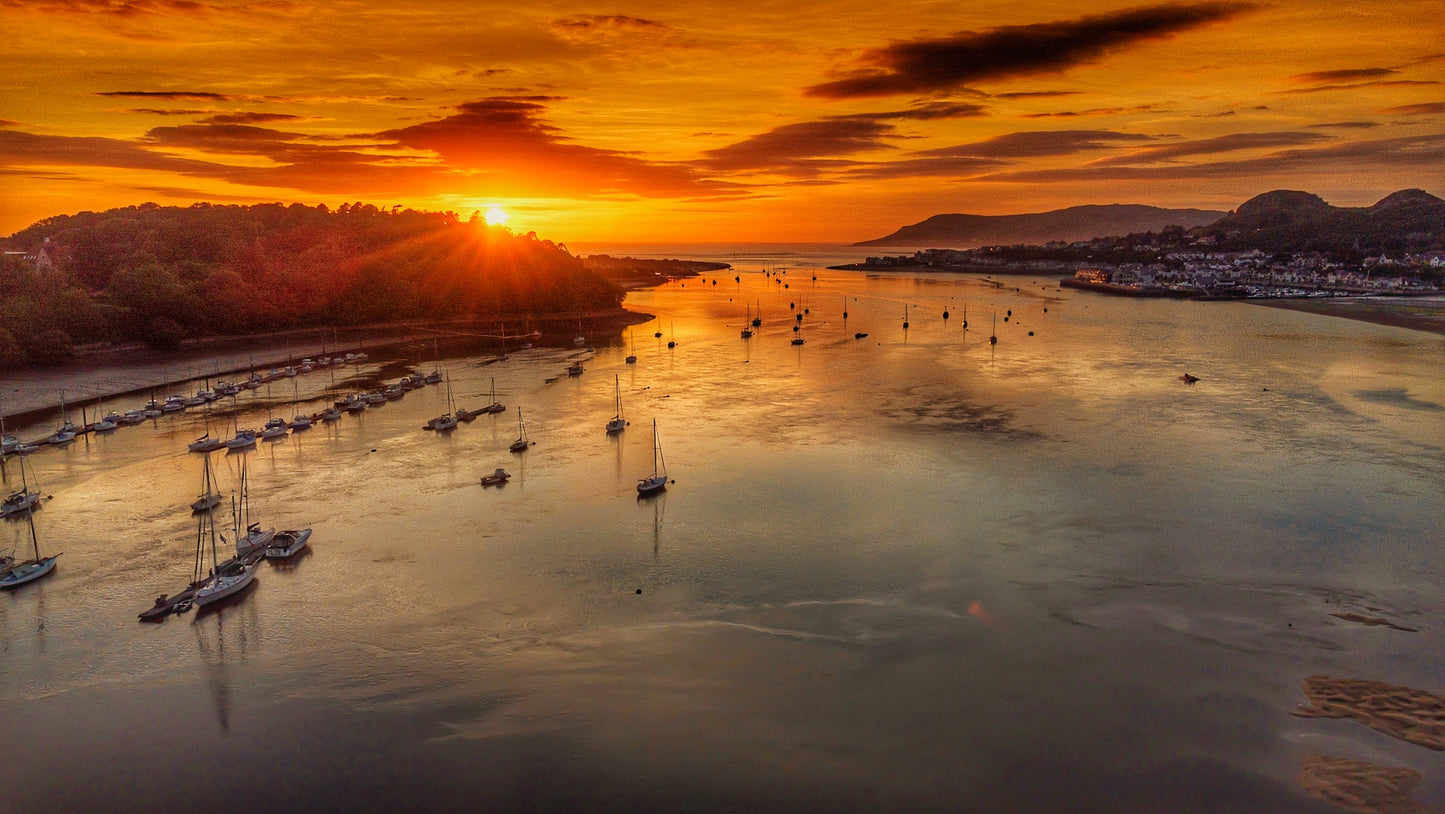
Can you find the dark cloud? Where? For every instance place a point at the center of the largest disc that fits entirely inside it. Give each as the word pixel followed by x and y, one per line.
pixel 117 8
pixel 156 111
pixel 607 21
pixel 1037 94
pixel 1345 75
pixel 1357 85
pixel 798 147
pixel 253 118
pixel 506 138
pixel 932 65
pixel 1094 111
pixel 807 148
pixel 20 149
pixel 1425 109
pixel 1347 125
pixel 180 95
pixel 1211 146
pixel 1035 144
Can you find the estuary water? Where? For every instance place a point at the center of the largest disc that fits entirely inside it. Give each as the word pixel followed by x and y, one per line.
pixel 909 571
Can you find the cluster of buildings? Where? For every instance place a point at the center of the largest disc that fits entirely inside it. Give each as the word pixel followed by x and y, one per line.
pixel 1197 273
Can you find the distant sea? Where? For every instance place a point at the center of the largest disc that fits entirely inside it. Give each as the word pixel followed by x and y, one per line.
pixel 744 256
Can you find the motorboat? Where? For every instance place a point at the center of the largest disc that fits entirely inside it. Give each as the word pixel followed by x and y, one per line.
pixel 287 543
pixel 498 477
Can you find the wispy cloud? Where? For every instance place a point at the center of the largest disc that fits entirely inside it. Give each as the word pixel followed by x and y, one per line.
pixel 1092 112
pixel 933 65
pixel 176 95
pixel 1233 142
pixel 1408 153
pixel 1423 109
pixel 1035 144
pixel 1342 75
pixel 253 118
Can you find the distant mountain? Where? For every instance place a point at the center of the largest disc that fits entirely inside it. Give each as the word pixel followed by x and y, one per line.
pixel 1071 224
pixel 1287 220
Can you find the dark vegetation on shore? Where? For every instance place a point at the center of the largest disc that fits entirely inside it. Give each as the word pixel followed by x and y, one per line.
pixel 161 276
pixel 633 272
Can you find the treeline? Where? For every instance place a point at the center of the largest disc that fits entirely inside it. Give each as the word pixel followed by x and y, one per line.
pixel 160 275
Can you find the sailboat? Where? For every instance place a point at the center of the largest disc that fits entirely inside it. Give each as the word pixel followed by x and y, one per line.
pixel 17 574
pixel 21 500
pixel 671 341
pixel 207 442
pixel 225 578
pixel 905 316
pixel 658 481
pixel 446 421
pixel 209 496
pixel 495 406
pixel 254 538
pixel 747 331
pixel 521 444
pixel 617 424
pixel 758 320
pixel 65 433
pixel 631 356
pixel 993 336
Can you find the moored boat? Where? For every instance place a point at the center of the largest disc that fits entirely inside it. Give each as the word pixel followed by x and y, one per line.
pixel 287 543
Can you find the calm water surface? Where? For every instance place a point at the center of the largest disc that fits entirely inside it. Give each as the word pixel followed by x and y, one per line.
pixel 909 571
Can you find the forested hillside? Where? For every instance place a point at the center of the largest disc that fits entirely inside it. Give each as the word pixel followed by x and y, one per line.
pixel 159 275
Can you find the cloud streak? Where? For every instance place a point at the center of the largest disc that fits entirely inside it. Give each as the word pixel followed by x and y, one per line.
pixel 934 65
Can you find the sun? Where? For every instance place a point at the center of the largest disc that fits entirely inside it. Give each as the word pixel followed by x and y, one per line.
pixel 496 216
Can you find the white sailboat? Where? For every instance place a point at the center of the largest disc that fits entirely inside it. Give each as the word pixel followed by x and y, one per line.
pixel 521 444
pixel 254 538
pixel 209 496
pixel 618 423
pixel 17 574
pixel 22 499
pixel 225 578
pixel 495 406
pixel 65 432
pixel 448 420
pixel 657 482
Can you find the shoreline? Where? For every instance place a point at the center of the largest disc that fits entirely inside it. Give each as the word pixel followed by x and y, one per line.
pixel 29 397
pixel 1413 313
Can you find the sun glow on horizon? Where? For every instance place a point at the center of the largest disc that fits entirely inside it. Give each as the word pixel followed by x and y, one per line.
pixel 496 216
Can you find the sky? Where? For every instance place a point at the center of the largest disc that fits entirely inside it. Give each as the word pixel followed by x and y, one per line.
pixel 719 120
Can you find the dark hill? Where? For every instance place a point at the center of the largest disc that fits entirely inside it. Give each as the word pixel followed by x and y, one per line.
pixel 1071 224
pixel 161 275
pixel 1285 220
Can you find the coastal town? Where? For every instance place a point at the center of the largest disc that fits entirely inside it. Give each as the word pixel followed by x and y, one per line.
pixel 1189 272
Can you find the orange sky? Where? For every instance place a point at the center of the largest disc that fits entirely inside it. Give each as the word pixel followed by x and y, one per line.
pixel 720 120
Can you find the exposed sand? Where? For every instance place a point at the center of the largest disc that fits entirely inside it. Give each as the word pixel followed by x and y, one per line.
pixel 1415 313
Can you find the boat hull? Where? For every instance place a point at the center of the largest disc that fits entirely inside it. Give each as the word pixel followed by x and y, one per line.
pixel 225 584
pixel 653 485
pixel 27 572
pixel 287 543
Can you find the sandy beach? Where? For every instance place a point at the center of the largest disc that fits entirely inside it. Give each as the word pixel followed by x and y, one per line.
pixel 1414 313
